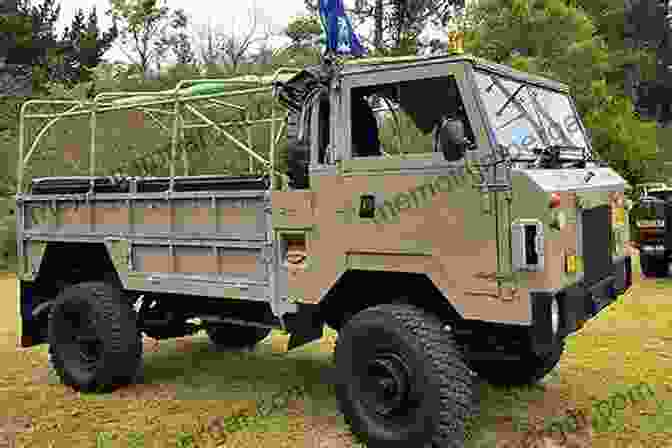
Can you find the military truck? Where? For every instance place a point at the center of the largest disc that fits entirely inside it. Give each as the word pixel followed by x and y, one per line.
pixel 652 229
pixel 446 215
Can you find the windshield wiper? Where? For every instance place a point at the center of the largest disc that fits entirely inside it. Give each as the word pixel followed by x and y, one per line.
pixel 511 98
pixel 550 156
pixel 556 149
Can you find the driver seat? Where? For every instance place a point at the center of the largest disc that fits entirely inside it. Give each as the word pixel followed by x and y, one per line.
pixel 365 138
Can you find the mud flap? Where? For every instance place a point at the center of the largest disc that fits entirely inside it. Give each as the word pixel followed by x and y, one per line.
pixel 33 327
pixel 542 339
pixel 304 326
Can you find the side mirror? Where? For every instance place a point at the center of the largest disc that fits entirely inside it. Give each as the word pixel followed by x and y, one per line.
pixel 452 140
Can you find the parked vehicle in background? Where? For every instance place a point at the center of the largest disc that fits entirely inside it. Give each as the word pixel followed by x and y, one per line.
pixel 443 214
pixel 652 227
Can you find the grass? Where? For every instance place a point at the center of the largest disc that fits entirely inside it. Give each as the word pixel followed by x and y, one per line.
pixel 196 396
pixel 629 344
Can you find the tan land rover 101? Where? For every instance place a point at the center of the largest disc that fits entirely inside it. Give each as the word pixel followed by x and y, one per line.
pixel 446 215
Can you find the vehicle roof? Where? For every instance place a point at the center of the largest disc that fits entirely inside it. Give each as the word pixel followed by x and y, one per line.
pixel 364 65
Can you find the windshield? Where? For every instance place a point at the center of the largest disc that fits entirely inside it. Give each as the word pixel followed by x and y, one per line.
pixel 527 118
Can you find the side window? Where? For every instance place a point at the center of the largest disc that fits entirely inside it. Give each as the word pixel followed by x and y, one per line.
pixel 364 129
pixel 319 131
pixel 323 130
pixel 402 117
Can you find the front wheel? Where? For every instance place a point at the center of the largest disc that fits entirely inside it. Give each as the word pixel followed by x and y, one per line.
pixel 401 380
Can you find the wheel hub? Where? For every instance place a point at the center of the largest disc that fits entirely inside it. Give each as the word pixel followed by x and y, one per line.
pixel 88 348
pixel 83 339
pixel 387 384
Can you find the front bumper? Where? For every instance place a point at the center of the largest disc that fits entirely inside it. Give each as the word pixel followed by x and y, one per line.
pixel 654 249
pixel 577 303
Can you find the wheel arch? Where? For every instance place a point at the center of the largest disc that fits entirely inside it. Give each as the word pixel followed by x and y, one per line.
pixel 66 263
pixel 352 293
pixel 60 265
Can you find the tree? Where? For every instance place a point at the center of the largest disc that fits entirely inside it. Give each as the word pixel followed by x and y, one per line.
pixel 396 24
pixel 236 46
pixel 32 47
pixel 143 26
pixel 207 45
pixel 180 43
pixel 40 54
pixel 88 45
pixel 304 31
pixel 232 47
pixel 631 58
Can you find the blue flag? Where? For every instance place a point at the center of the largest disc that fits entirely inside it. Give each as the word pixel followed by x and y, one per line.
pixel 341 39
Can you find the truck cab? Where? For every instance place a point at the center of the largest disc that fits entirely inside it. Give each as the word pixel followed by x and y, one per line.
pixel 516 211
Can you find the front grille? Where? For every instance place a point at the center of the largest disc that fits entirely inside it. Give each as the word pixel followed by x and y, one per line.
pixel 596 240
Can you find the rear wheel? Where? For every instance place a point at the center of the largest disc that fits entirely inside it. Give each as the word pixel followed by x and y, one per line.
pixel 94 341
pixel 400 379
pixel 653 266
pixel 236 337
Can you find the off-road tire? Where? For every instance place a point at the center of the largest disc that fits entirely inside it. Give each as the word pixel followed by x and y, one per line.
pixel 652 266
pixel 98 311
pixel 439 391
pixel 515 373
pixel 236 337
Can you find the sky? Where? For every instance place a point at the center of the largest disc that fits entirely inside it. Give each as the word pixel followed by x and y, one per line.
pixel 221 13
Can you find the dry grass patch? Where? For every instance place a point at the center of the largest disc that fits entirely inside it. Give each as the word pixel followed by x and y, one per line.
pixel 194 396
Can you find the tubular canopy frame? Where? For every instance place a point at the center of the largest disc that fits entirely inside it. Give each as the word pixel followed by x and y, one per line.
pixel 185 96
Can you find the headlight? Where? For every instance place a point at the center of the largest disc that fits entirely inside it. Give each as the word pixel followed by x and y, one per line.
pixel 555 317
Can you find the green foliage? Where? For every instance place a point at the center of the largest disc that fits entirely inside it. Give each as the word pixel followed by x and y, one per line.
pixel 559 41
pixel 49 58
pixel 35 32
pixel 396 25
pixel 178 42
pixel 143 25
pixel 9 112
pixel 304 31
pixel 89 45
pixel 630 145
pixel 609 19
pixel 8 254
pixel 412 139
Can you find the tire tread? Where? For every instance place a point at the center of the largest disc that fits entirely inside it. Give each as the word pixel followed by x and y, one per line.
pixel 117 321
pixel 453 376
